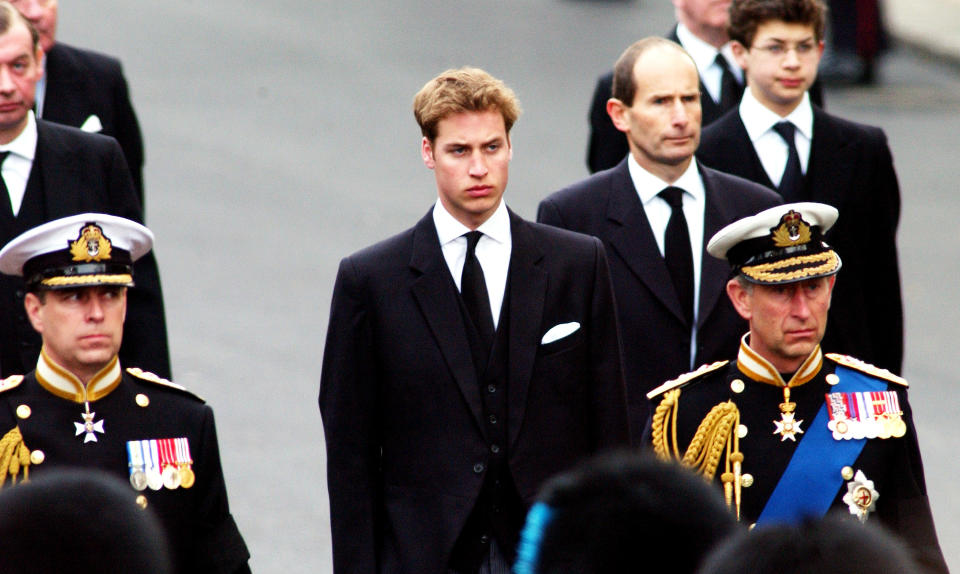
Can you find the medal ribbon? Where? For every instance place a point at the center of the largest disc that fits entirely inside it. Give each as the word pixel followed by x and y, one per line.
pixel 135 456
pixel 167 457
pixel 812 478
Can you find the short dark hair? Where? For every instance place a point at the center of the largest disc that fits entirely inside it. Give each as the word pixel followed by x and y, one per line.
pixel 618 510
pixel 748 15
pixel 124 537
pixel 624 83
pixel 835 544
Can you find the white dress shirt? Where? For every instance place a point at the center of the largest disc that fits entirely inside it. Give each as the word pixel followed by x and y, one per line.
pixel 17 166
pixel 705 57
pixel 658 212
pixel 493 250
pixel 771 148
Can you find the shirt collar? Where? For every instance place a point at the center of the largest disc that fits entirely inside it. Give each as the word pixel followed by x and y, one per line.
pixel 25 144
pixel 759 369
pixel 703 54
pixel 497 227
pixel 66 385
pixel 649 185
pixel 758 119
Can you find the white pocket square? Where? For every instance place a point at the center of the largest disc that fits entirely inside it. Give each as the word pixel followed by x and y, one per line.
pixel 92 124
pixel 558 332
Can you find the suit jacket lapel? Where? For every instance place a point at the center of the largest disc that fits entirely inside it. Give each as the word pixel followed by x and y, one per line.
pixel 528 287
pixel 632 238
pixel 741 146
pixel 713 271
pixel 830 152
pixel 58 167
pixel 440 307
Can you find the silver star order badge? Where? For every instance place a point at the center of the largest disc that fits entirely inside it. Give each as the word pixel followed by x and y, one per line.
pixel 861 497
pixel 90 427
pixel 787 428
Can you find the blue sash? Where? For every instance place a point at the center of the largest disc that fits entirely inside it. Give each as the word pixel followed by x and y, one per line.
pixel 812 478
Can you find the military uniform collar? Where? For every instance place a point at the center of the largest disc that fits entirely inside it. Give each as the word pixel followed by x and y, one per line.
pixel 759 369
pixel 66 385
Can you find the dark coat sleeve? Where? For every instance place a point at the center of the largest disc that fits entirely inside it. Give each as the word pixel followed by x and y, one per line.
pixel 348 407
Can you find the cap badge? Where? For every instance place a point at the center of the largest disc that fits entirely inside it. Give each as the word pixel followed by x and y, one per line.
pixel 793 230
pixel 91 245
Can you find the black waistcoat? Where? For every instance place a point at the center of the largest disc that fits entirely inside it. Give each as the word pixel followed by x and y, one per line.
pixel 499 512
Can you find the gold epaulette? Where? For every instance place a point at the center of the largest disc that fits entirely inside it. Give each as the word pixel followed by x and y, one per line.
pixel 158 380
pixel 11 382
pixel 848 361
pixel 686 377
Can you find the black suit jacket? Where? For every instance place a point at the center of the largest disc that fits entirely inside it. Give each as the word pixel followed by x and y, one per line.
pixel 82 83
pixel 401 405
pixel 80 172
pixel 608 145
pixel 850 168
pixel 656 337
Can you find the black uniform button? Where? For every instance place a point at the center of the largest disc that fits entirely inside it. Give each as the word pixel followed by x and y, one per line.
pixel 491 389
pixel 492 419
pixel 478 468
pixel 494 448
pixel 484 539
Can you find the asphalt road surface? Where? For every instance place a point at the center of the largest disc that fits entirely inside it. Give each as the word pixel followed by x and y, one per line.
pixel 280 138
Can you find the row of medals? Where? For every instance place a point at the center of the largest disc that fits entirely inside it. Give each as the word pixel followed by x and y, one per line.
pixel 172 477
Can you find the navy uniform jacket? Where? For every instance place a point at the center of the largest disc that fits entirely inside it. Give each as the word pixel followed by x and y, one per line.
pixel 893 464
pixel 402 412
pixel 83 83
pixel 850 168
pixel 197 520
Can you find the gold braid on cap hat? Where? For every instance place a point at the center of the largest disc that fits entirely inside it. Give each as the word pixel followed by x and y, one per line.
pixel 716 435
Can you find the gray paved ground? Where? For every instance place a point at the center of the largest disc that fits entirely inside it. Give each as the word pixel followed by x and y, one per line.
pixel 280 138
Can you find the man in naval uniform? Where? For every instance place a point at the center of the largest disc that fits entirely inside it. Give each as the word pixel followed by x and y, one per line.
pixel 80 408
pixel 788 431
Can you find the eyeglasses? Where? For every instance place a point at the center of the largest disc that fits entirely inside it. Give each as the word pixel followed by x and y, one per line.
pixel 779 49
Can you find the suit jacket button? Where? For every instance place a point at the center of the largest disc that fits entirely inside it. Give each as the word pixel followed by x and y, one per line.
pixel 478 468
pixel 484 539
pixel 494 448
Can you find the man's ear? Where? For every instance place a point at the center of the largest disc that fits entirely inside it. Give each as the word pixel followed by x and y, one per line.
pixel 739 54
pixel 740 297
pixel 617 110
pixel 426 152
pixel 32 304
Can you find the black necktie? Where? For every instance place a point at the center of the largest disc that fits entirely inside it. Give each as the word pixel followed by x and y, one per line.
pixel 791 184
pixel 473 289
pixel 677 252
pixel 5 203
pixel 730 88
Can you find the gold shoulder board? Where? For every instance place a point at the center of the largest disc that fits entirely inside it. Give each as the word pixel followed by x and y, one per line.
pixel 11 382
pixel 686 378
pixel 848 361
pixel 158 380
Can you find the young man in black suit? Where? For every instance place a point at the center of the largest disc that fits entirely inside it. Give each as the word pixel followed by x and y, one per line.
pixel 821 158
pixel 51 171
pixel 467 360
pixel 84 89
pixel 670 307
